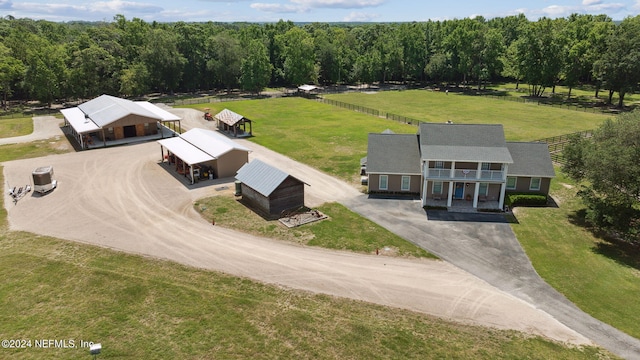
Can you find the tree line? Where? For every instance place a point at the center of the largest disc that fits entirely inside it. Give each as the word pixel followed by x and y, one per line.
pixel 47 61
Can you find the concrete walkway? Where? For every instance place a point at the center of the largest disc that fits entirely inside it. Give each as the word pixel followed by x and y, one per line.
pixel 485 246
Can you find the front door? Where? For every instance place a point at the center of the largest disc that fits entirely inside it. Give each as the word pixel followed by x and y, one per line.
pixel 459 191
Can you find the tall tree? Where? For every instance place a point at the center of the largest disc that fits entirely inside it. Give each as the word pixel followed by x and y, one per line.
pixel 255 68
pixel 299 57
pixel 163 60
pixel 11 71
pixel 619 66
pixel 538 55
pixel 225 59
pixel 46 71
pixel 609 164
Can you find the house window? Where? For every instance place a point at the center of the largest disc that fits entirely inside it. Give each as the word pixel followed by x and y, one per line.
pixel 511 183
pixel 486 166
pixel 437 187
pixel 484 189
pixel 384 182
pixel 535 184
pixel 110 130
pixel 439 164
pixel 406 183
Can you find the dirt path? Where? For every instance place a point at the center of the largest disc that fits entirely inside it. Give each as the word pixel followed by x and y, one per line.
pixel 122 198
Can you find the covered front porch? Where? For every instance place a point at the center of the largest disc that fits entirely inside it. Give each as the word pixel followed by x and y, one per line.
pixel 463 195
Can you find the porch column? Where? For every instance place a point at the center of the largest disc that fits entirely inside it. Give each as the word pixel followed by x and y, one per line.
pixel 191 172
pixel 503 186
pixel 424 192
pixel 450 194
pixel 452 174
pixel 475 195
pixel 161 154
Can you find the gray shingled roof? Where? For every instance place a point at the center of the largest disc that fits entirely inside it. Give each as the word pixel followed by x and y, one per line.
pixel 393 154
pixel 530 159
pixel 463 142
pixel 107 109
pixel 261 177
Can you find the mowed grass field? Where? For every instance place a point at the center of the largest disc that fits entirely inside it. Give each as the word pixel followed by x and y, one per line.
pixel 326 137
pixel 522 122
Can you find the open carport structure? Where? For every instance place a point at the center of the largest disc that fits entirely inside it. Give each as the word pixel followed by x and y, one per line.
pixel 204 154
pixel 110 120
pixel 233 123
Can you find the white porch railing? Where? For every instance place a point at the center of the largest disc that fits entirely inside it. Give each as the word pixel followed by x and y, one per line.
pixel 464 174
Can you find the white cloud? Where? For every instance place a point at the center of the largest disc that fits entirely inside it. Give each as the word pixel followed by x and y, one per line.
pixel 279 8
pixel 591 2
pixel 301 6
pixel 339 4
pixel 86 11
pixel 6 4
pixel 360 17
pixel 637 5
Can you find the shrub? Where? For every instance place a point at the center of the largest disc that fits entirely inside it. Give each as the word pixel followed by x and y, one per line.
pixel 526 199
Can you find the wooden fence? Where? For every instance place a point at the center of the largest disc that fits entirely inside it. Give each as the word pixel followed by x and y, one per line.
pixel 557 143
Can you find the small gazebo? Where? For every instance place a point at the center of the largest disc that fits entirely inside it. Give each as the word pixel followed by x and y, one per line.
pixel 233 123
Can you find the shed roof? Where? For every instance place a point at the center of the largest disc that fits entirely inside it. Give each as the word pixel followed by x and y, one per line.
pixel 211 142
pixel 261 177
pixel 200 145
pixel 531 159
pixel 307 87
pixel 393 154
pixel 229 117
pixel 185 151
pixel 464 142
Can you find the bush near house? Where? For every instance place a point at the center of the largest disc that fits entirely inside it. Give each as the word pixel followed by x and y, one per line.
pixel 520 199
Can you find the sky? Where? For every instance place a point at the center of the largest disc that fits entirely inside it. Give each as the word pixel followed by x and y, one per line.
pixel 309 10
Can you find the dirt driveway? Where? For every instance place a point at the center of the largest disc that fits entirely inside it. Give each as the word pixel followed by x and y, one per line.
pixel 122 198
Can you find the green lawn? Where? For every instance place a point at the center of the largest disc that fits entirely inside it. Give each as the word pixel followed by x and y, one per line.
pixel 11 127
pixel 344 230
pixel 326 137
pixel 592 273
pixel 522 122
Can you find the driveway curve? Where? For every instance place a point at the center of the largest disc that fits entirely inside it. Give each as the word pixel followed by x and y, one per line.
pixel 484 245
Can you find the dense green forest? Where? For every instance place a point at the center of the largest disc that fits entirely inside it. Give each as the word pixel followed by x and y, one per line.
pixel 49 61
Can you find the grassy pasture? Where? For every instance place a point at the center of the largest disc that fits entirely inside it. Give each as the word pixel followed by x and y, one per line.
pixel 522 122
pixel 326 137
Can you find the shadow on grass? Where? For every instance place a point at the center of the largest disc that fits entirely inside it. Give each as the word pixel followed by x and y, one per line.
pixel 616 249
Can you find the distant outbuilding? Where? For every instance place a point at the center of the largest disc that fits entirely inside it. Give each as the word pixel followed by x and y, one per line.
pixel 271 192
pixel 233 123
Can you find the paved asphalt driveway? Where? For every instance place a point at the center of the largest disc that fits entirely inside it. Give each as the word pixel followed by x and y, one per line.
pixel 484 245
